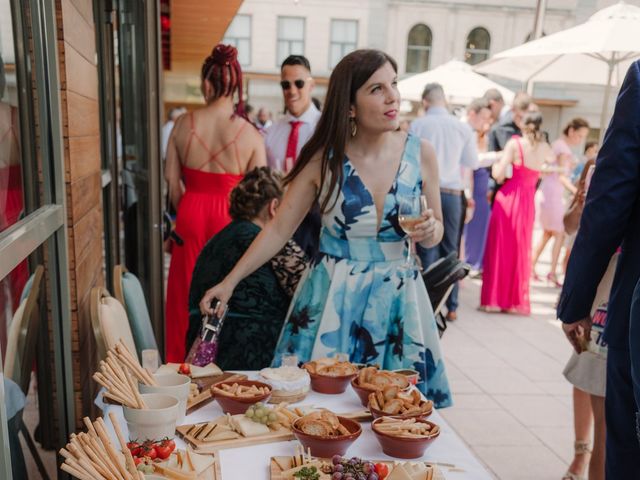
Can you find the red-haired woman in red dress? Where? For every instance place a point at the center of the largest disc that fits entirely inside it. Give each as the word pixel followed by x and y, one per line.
pixel 209 151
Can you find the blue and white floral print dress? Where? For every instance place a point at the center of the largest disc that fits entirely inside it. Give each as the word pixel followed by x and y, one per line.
pixel 356 299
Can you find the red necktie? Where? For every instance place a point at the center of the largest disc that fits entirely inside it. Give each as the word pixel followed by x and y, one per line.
pixel 292 146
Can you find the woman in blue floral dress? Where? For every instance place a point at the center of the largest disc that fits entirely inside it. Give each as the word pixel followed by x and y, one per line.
pixel 356 298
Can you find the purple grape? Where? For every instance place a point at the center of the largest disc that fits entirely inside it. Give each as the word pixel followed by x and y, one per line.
pixel 336 459
pixel 354 461
pixel 338 468
pixel 361 476
pixel 367 468
pixel 373 476
pixel 336 476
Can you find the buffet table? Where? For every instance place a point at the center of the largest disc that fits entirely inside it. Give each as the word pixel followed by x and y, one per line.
pixel 453 457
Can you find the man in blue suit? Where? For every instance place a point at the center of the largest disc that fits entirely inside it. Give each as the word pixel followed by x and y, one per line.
pixel 611 218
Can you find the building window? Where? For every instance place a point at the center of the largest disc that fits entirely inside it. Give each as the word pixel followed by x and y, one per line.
pixel 239 35
pixel 418 49
pixel 478 44
pixel 290 38
pixel 344 39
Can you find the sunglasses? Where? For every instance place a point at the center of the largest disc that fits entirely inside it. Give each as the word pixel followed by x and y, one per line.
pixel 286 84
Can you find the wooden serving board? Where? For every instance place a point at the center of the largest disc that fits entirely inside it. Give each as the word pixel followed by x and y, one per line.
pixel 205 383
pixel 275 469
pixel 358 416
pixel 200 446
pixel 211 473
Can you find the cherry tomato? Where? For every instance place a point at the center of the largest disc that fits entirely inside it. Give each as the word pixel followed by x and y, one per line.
pixel 169 443
pixel 185 369
pixel 137 460
pixel 134 448
pixel 149 451
pixel 163 451
pixel 382 470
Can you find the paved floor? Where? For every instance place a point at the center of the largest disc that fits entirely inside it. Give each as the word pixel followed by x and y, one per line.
pixel 512 404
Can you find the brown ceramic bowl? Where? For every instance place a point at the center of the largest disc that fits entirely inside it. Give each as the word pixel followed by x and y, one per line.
pixel 379 413
pixel 330 385
pixel 363 393
pixel 326 447
pixel 403 447
pixel 234 405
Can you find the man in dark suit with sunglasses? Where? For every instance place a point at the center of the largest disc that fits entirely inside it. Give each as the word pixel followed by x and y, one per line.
pixel 286 137
pixel 611 218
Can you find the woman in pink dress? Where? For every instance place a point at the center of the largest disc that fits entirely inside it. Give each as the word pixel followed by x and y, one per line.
pixel 209 151
pixel 507 258
pixel 554 182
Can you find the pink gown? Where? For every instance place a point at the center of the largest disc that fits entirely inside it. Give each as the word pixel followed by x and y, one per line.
pixel 552 207
pixel 507 258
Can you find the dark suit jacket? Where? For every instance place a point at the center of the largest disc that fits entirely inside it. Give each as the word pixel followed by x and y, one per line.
pixel 611 218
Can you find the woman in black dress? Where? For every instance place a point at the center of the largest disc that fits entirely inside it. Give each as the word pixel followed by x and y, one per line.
pixel 259 304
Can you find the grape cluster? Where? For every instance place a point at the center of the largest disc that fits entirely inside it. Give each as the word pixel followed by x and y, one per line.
pixel 259 413
pixel 352 469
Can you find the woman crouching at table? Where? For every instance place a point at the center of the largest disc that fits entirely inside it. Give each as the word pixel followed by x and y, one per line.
pixel 260 302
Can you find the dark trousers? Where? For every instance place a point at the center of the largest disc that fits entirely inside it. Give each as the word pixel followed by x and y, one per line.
pixel 451 213
pixel 623 450
pixel 634 349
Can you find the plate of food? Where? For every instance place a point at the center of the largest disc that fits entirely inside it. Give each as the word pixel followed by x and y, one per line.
pixel 329 375
pixel 259 424
pixel 304 466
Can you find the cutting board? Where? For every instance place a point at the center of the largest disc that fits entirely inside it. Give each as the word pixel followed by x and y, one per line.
pixel 276 463
pixel 200 446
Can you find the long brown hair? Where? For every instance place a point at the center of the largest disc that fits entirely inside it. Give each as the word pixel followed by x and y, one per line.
pixel 333 128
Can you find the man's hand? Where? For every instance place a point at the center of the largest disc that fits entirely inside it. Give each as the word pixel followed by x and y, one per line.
pixel 578 333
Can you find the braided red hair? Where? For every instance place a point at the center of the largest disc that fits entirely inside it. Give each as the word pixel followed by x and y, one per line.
pixel 223 71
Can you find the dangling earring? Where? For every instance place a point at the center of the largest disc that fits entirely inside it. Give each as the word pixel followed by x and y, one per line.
pixel 354 126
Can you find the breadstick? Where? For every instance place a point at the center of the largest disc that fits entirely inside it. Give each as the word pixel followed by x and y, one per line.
pixel 128 458
pixel 134 390
pixel 124 352
pixel 109 448
pixel 76 473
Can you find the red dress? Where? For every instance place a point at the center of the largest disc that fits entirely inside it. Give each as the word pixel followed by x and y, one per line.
pixel 507 258
pixel 202 212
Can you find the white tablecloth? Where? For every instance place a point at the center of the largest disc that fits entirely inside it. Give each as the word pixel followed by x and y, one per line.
pixel 253 462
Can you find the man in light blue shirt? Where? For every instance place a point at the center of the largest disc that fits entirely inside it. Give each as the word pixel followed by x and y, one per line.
pixel 455 146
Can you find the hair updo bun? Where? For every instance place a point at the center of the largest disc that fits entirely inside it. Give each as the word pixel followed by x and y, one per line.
pixel 222 70
pixel 224 54
pixel 254 192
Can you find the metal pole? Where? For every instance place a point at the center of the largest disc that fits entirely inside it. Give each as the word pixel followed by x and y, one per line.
pixel 607 94
pixel 539 21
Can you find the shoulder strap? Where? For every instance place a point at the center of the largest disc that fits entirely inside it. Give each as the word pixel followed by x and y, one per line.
pixel 517 139
pixel 191 134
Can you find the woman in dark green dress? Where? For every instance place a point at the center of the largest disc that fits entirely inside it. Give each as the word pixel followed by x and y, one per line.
pixel 259 304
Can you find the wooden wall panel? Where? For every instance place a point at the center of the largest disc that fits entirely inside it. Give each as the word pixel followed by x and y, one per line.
pixel 84 156
pixel 196 26
pixel 77 31
pixel 82 116
pixel 81 74
pixel 84 196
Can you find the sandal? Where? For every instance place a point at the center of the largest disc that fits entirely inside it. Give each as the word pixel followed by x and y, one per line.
pixel 580 447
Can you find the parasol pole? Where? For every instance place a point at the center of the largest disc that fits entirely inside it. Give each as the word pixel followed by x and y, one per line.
pixel 607 94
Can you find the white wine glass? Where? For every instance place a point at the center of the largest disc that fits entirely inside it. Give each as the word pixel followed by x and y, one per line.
pixel 411 209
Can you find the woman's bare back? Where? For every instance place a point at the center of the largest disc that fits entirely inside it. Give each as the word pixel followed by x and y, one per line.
pixel 212 141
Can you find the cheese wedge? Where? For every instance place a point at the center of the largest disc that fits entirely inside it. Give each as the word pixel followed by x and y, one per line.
pixel 399 473
pixel 247 427
pixel 209 370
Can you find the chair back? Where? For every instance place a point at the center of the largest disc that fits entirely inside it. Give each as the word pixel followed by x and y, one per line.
pixel 23 334
pixel 128 291
pixel 109 322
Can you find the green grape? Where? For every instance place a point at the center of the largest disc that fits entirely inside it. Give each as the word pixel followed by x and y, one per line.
pixel 273 417
pixel 259 413
pixel 264 420
pixel 250 412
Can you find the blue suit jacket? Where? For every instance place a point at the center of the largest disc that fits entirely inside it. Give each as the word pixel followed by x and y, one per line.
pixel 611 218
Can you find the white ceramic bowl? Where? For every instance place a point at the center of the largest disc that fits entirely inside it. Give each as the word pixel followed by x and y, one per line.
pixel 172 384
pixel 155 422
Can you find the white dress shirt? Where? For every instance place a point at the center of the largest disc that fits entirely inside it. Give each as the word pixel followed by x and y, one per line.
pixel 453 141
pixel 277 135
